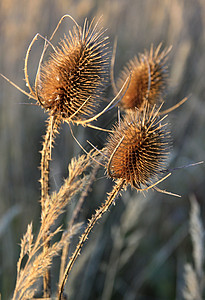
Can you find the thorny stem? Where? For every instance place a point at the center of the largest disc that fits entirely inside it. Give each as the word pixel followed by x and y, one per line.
pixel 98 214
pixel 51 131
pixel 74 217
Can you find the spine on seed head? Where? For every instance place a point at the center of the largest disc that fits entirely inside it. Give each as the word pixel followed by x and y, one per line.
pixel 73 79
pixel 148 82
pixel 138 148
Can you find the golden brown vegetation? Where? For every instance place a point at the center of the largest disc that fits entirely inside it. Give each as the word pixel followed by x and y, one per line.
pixel 72 80
pixel 148 80
pixel 138 148
pixel 70 85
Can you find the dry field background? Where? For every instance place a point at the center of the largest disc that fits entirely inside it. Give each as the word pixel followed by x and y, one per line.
pixel 138 250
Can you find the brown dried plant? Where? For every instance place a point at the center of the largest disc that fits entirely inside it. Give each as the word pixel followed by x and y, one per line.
pixel 135 154
pixel 72 80
pixel 69 87
pixel 38 261
pixel 51 131
pixel 138 148
pixel 71 83
pixel 149 78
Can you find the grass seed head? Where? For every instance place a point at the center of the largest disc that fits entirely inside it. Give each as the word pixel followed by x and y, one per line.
pixel 74 77
pixel 138 148
pixel 148 78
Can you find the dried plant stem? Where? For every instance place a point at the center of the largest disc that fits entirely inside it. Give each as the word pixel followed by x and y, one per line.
pixel 51 130
pixel 98 214
pixel 74 217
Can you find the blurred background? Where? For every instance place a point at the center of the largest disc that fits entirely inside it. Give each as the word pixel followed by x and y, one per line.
pixel 138 249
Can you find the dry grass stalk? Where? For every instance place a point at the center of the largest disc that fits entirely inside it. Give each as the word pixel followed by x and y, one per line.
pixel 36 265
pixel 192 289
pixel 56 203
pixel 75 213
pixel 194 275
pixel 38 262
pixel 98 214
pixel 197 236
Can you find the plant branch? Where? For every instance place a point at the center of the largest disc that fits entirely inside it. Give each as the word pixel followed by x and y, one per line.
pixel 98 214
pixel 51 130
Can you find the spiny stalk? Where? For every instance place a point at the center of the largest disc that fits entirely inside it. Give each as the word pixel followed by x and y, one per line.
pixel 51 130
pixel 74 217
pixel 98 214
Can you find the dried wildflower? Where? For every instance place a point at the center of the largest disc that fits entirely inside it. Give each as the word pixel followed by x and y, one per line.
pixel 71 83
pixel 138 148
pixel 72 80
pixel 148 78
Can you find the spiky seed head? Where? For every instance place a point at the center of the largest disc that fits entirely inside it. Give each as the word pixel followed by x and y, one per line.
pixel 74 77
pixel 138 148
pixel 148 78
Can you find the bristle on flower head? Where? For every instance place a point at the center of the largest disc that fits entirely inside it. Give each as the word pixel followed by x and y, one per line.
pixel 73 79
pixel 138 148
pixel 148 79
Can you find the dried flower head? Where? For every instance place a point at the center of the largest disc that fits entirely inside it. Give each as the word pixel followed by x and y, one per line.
pixel 138 148
pixel 148 78
pixel 72 80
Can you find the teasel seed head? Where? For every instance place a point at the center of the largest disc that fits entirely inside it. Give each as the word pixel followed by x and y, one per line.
pixel 148 78
pixel 138 148
pixel 73 79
